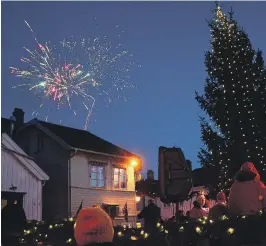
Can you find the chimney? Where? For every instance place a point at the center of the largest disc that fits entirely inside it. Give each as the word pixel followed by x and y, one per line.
pixel 19 117
pixel 150 175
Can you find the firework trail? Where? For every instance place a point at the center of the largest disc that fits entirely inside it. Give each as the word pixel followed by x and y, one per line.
pixel 83 70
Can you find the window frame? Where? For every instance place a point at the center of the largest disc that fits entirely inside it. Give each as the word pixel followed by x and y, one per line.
pixel 97 165
pixel 119 178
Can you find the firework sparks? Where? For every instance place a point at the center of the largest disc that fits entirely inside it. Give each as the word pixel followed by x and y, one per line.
pixel 84 69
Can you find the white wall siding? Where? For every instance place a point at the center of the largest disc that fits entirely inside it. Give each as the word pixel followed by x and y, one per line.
pixel 13 173
pixel 167 211
pixel 81 189
pixel 91 197
pixel 188 205
pixel 80 172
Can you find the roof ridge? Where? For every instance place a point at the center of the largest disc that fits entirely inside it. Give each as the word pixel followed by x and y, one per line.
pixel 41 121
pixel 85 131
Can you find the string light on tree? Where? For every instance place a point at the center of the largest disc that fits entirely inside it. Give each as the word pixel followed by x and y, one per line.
pixel 236 73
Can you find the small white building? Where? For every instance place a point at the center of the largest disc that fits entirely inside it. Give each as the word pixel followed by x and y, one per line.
pixel 21 179
pixel 169 210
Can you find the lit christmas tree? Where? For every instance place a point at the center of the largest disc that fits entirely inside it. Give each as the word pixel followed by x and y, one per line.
pixel 234 99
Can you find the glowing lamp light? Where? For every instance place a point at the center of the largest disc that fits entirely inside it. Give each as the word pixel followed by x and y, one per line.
pixel 146 235
pixel 158 225
pixel 142 232
pixel 138 224
pixel 134 163
pixel 224 217
pixel 137 198
pixel 230 230
pixel 198 229
pixel 119 233
pixel 133 238
pixel 69 240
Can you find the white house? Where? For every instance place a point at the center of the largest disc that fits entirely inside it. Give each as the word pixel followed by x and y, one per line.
pixel 21 179
pixel 82 167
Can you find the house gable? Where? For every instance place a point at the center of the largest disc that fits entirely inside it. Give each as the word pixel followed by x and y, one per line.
pixel 53 158
pixel 9 145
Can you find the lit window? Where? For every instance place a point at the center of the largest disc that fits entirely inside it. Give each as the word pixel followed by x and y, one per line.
pixel 119 178
pixel 97 176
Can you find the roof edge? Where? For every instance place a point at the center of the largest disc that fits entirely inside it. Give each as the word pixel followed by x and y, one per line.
pixel 111 155
pixel 98 137
pixel 38 124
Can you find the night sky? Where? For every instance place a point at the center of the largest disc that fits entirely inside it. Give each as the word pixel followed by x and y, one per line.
pixel 168 39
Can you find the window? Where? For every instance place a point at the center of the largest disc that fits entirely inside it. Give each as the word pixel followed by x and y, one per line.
pixel 119 178
pixel 97 176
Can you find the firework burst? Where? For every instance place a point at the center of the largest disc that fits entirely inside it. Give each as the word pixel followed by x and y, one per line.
pixel 83 70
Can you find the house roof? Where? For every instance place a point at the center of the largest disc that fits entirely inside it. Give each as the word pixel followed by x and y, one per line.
pixel 82 139
pixel 8 144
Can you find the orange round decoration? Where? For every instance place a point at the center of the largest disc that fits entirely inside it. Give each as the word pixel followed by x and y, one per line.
pixel 93 225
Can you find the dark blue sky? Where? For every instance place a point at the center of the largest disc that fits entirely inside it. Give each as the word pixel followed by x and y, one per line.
pixel 168 39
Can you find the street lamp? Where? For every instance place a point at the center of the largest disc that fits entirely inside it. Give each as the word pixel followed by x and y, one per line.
pixel 134 163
